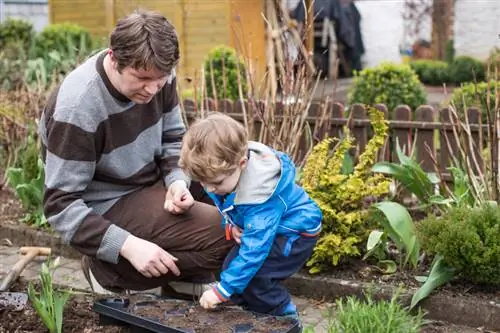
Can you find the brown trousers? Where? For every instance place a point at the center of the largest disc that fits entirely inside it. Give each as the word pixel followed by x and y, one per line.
pixel 196 238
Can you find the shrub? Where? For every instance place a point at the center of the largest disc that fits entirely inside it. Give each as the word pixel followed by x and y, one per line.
pixel 494 62
pixel 431 72
pixel 467 69
pixel 475 95
pixel 341 195
pixel 388 83
pixel 356 316
pixel 65 38
pixel 467 239
pixel 16 31
pixel 224 69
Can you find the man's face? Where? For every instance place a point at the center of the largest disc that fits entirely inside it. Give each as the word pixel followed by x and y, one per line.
pixel 140 85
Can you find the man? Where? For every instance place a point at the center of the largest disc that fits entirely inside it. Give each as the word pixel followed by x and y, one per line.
pixel 111 135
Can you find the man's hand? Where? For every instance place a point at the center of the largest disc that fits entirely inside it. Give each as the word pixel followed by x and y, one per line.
pixel 178 199
pixel 209 299
pixel 236 232
pixel 148 258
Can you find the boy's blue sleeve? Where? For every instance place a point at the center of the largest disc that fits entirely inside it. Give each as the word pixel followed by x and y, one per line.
pixel 261 224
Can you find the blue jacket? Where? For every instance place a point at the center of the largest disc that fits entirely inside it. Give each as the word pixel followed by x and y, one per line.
pixel 266 202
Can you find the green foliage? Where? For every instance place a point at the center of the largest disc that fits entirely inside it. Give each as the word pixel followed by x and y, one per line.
pixel 467 69
pixel 494 63
pixel 341 196
pixel 16 31
pixel 475 95
pixel 467 239
pixel 432 72
pixel 389 84
pixel 65 38
pixel 48 302
pixel 222 65
pixel 398 225
pixel 449 51
pixel 356 316
pixel 27 178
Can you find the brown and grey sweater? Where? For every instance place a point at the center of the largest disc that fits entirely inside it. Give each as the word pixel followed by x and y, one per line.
pixel 98 146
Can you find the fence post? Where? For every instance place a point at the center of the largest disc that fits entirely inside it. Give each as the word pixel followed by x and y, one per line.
pixel 360 131
pixel 424 138
pixel 401 132
pixel 447 142
pixel 474 147
pixel 385 152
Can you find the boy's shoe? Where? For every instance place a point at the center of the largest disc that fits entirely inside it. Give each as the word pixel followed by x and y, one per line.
pixel 94 285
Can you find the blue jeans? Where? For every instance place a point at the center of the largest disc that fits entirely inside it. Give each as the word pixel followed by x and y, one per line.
pixel 266 293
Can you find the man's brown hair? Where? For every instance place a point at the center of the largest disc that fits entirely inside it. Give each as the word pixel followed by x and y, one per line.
pixel 145 40
pixel 213 146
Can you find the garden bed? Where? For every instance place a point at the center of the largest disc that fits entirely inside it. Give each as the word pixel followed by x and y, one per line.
pixel 457 302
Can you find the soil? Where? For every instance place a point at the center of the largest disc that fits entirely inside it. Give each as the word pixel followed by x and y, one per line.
pixel 79 316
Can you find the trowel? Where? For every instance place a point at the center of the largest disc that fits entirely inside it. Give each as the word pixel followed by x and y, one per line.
pixel 17 300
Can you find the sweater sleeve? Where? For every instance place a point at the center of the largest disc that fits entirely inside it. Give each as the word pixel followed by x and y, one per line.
pixel 70 157
pixel 173 131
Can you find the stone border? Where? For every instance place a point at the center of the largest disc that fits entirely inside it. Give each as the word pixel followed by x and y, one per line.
pixel 459 310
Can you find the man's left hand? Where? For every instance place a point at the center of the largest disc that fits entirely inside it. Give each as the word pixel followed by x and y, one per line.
pixel 209 299
pixel 178 199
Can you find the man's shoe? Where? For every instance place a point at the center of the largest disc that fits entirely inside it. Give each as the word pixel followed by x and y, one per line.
pixel 185 290
pixel 94 285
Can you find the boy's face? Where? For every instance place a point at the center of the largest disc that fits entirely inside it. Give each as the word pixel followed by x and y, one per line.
pixel 225 184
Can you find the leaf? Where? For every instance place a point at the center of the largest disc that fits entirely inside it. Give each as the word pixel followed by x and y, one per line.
pixel 386 266
pixel 399 226
pixel 421 278
pixel 374 239
pixel 439 275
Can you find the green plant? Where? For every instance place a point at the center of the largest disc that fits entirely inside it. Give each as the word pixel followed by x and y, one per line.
pixel 467 239
pixel 342 196
pixel 65 38
pixel 467 69
pixel 475 95
pixel 48 302
pixel 16 31
pixel 432 72
pixel 224 70
pixel 398 225
pixel 389 84
pixel 357 316
pixel 449 51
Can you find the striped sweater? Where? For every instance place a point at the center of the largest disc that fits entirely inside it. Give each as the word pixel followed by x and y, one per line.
pixel 98 146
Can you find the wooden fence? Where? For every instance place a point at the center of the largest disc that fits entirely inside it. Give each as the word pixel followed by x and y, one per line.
pixel 429 130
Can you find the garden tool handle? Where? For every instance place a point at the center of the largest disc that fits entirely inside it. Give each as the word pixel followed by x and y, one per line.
pixel 28 254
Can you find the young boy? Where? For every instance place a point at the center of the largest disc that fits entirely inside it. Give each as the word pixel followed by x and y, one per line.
pixel 273 221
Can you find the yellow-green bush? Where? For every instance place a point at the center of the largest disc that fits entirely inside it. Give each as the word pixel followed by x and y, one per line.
pixel 475 95
pixel 468 239
pixel 341 196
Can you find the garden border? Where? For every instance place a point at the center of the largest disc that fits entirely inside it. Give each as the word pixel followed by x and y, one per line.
pixel 454 309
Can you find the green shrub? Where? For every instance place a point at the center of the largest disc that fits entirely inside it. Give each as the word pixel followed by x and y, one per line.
pixel 388 83
pixel 449 51
pixel 16 31
pixel 432 72
pixel 224 69
pixel 356 316
pixel 467 69
pixel 494 62
pixel 474 95
pixel 65 38
pixel 467 239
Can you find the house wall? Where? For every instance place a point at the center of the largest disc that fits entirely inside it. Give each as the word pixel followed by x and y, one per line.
pixel 476 28
pixel 35 11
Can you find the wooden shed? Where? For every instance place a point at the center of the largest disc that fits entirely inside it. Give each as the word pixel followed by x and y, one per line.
pixel 201 24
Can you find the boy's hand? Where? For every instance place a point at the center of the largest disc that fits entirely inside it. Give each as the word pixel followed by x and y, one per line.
pixel 236 232
pixel 209 299
pixel 178 199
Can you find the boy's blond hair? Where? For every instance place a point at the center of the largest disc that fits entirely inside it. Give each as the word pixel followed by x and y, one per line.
pixel 213 146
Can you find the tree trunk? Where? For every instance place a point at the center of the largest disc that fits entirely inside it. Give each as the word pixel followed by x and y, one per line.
pixel 443 12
